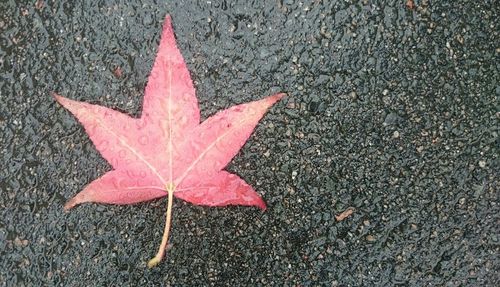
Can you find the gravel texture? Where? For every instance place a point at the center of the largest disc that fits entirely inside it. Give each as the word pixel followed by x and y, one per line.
pixel 391 111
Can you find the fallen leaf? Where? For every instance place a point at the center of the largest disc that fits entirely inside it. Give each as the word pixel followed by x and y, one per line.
pixel 118 72
pixel 167 151
pixel 346 213
pixel 370 238
pixel 39 4
pixel 410 4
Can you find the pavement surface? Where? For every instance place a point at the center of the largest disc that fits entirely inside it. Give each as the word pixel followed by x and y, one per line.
pixel 392 111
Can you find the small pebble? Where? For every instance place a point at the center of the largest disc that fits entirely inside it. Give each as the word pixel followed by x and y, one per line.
pixel 482 163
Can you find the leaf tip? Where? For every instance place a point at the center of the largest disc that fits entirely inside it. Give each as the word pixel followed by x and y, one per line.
pixel 168 19
pixel 56 96
pixel 168 30
pixel 261 204
pixel 60 99
pixel 274 98
pixel 70 204
pixel 279 96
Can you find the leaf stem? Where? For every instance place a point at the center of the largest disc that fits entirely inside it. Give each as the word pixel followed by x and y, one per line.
pixel 164 240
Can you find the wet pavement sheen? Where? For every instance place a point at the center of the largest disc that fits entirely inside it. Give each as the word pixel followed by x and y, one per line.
pixel 391 111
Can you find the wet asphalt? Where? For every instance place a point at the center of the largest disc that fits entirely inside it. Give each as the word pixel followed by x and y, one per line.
pixel 392 112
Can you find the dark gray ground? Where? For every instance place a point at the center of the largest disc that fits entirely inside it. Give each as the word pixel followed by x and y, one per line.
pixel 391 111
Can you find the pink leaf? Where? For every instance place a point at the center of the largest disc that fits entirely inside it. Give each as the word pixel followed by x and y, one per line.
pixel 167 151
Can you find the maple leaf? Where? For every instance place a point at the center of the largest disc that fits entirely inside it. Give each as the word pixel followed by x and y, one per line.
pixel 167 151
